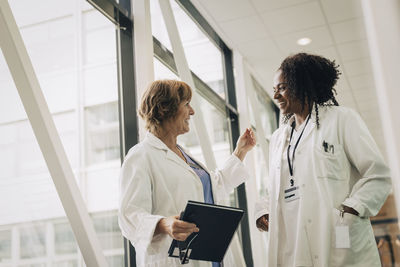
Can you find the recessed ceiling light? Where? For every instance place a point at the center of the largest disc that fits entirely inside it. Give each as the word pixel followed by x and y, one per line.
pixel 304 41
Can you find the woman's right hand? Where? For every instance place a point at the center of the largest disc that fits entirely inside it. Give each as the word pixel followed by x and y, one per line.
pixel 175 228
pixel 263 223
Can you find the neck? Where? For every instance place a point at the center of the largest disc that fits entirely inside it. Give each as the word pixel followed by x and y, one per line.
pixel 168 138
pixel 301 117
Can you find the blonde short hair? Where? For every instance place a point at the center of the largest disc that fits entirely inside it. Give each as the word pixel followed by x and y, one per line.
pixel 161 100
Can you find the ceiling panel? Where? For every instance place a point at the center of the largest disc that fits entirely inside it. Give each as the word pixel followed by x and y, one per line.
pixel 347 31
pixel 339 10
pixel 357 67
pixel 328 52
pixel 237 9
pixel 238 30
pixel 353 50
pixel 305 16
pixel 260 50
pixel 268 5
pixel 361 81
pixel 320 39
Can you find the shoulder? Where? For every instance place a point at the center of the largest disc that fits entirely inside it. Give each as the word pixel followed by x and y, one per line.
pixel 337 112
pixel 278 132
pixel 138 154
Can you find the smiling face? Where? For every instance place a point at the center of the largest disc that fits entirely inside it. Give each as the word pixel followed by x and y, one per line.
pixel 287 103
pixel 180 123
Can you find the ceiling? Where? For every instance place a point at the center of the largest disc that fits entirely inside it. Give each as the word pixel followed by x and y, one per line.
pixel 265 32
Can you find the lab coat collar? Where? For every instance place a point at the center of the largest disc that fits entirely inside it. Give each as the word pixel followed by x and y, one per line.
pixel 170 155
pixel 155 141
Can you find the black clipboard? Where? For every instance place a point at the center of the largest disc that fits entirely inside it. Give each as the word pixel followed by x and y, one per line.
pixel 217 226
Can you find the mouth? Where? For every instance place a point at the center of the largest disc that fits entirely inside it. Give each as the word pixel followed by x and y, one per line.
pixel 281 104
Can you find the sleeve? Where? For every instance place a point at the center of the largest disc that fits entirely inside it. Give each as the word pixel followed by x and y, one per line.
pixel 134 217
pixel 260 209
pixel 232 174
pixel 371 190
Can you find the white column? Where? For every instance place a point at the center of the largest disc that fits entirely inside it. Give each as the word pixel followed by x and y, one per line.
pixel 47 136
pixel 186 76
pixel 143 38
pixel 382 22
pixel 244 89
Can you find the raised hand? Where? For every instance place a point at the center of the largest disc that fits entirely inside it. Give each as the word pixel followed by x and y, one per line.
pixel 245 143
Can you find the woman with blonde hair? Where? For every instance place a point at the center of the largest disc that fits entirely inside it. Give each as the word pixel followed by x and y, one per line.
pixel 158 176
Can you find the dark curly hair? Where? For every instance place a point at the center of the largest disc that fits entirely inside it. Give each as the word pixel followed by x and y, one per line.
pixel 310 78
pixel 161 100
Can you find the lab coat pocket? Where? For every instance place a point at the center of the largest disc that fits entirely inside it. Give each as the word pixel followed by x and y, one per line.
pixel 329 164
pixel 360 232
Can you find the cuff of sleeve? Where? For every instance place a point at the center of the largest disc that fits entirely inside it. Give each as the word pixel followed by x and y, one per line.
pixel 146 238
pixel 352 203
pixel 235 159
pixel 259 214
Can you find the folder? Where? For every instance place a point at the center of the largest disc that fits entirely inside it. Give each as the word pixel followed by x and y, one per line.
pixel 217 225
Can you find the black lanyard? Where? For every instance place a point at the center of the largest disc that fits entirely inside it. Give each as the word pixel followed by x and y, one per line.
pixel 295 146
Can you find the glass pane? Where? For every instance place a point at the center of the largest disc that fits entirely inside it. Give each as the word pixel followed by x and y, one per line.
pixel 108 231
pixel 102 133
pixel 32 241
pixel 203 57
pixel 218 131
pixel 115 261
pixel 70 263
pixel 5 245
pixel 265 110
pixel 33 265
pixel 162 72
pixel 73 52
pixel 64 240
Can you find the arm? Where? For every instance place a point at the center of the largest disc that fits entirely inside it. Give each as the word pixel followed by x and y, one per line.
pixel 144 229
pixel 234 172
pixel 370 191
pixel 135 219
pixel 244 144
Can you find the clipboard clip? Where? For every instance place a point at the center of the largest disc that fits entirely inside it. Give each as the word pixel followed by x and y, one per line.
pixel 184 253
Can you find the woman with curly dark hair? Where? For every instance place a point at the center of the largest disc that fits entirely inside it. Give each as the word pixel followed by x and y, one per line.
pixel 327 176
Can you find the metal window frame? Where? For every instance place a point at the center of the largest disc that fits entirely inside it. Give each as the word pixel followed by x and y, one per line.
pixel 46 134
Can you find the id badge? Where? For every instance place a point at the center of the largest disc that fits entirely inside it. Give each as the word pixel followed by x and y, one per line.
pixel 342 236
pixel 291 193
pixel 342 233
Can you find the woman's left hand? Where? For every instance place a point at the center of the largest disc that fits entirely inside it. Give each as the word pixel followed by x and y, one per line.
pixel 245 143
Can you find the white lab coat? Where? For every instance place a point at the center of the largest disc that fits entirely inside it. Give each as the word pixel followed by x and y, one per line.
pixel 353 174
pixel 157 183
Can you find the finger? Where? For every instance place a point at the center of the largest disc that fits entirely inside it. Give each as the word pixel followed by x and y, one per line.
pixel 181 236
pixel 184 225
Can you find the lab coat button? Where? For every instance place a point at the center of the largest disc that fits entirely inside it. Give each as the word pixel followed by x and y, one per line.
pixel 316 257
pixel 309 220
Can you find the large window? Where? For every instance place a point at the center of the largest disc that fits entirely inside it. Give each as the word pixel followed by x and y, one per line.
pixel 204 58
pixel 73 51
pixel 266 110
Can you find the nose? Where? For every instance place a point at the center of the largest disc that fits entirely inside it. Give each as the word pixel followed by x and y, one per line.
pixel 276 94
pixel 191 110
